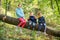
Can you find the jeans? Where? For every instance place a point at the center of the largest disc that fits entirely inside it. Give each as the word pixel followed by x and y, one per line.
pixel 32 24
pixel 42 25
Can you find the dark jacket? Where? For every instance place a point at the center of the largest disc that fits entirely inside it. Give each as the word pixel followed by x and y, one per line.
pixel 33 19
pixel 41 20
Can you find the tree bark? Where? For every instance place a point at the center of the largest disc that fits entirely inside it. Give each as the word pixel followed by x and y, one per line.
pixel 52 4
pixel 0 6
pixel 15 21
pixel 57 6
pixel 0 2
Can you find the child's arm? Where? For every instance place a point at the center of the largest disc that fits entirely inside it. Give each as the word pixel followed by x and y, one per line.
pixel 28 18
pixel 44 19
pixel 35 18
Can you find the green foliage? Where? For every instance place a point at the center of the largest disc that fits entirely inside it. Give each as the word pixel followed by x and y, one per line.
pixel 52 16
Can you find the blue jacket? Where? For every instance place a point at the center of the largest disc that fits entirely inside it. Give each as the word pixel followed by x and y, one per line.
pixel 19 12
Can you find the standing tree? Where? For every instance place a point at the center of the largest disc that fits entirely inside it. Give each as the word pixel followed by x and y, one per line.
pixel 52 4
pixel 8 5
pixel 0 2
pixel 57 6
pixel 0 6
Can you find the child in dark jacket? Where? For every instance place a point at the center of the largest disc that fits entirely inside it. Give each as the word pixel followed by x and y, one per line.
pixel 32 21
pixel 41 22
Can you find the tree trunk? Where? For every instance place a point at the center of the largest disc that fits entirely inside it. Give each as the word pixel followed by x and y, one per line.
pixel 52 4
pixel 0 2
pixel 0 6
pixel 15 21
pixel 57 6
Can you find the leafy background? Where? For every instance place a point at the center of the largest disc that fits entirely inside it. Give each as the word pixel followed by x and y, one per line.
pixel 50 10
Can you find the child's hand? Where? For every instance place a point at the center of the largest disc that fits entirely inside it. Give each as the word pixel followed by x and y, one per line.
pixel 35 16
pixel 28 19
pixel 4 17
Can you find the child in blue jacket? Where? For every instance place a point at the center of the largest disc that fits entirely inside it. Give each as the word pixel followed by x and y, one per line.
pixel 21 17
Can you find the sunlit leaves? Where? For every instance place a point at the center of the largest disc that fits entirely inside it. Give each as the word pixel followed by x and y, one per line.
pixel 51 15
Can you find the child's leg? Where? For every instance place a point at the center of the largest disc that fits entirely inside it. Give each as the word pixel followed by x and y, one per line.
pixel 21 21
pixel 33 25
pixel 20 24
pixel 44 27
pixel 16 28
pixel 24 23
pixel 30 23
pixel 21 30
pixel 39 27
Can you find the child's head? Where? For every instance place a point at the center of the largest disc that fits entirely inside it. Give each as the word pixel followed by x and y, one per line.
pixel 19 5
pixel 39 13
pixel 31 13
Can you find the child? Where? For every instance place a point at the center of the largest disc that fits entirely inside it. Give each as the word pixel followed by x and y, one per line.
pixel 41 22
pixel 20 15
pixel 32 20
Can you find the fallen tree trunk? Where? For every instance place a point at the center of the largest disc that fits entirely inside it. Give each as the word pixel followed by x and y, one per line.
pixel 15 21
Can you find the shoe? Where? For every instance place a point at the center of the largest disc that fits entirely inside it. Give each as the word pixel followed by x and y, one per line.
pixel 16 28
pixel 21 30
pixel 45 33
